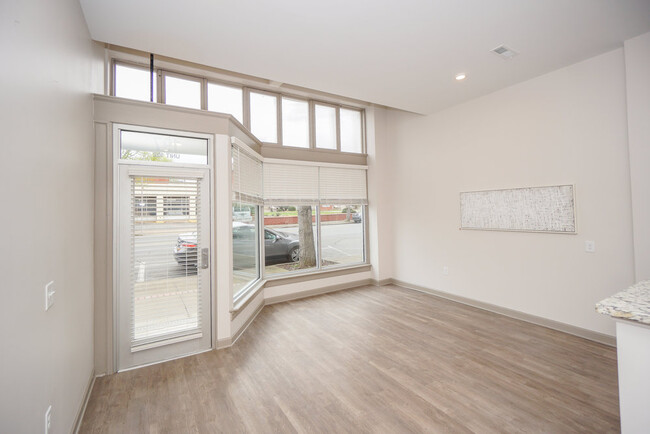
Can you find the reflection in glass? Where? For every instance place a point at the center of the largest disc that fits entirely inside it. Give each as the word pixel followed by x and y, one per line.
pixel 325 127
pixel 226 99
pixel 295 123
pixel 139 146
pixel 264 117
pixel 289 239
pixel 183 93
pixel 245 246
pixel 342 234
pixel 134 83
pixel 351 131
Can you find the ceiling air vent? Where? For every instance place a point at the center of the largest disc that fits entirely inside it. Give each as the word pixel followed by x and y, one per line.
pixel 504 52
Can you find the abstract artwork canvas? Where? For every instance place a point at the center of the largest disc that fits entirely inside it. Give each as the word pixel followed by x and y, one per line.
pixel 529 209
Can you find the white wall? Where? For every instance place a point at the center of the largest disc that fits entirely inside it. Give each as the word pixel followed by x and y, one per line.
pixel 637 63
pixel 49 68
pixel 289 289
pixel 568 126
pixel 380 208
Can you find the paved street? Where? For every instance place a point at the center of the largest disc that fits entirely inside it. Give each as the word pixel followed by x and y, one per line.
pixel 160 281
pixel 341 242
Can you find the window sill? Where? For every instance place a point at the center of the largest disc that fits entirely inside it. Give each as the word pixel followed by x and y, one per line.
pixel 243 299
pixel 321 274
pixel 250 293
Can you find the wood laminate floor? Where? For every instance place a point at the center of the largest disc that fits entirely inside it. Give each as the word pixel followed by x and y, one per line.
pixel 372 359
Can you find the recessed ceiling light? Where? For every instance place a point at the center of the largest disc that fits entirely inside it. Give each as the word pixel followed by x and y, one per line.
pixel 460 76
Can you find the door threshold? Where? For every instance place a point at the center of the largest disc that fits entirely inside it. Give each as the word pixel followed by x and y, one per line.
pixel 165 360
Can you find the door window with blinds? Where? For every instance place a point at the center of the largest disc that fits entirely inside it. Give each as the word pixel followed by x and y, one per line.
pixel 165 287
pixel 163 245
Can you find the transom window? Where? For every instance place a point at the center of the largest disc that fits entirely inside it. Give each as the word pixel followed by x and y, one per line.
pixel 274 118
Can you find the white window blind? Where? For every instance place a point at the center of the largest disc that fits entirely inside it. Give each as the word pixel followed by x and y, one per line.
pixel 342 186
pixel 165 296
pixel 290 184
pixel 246 176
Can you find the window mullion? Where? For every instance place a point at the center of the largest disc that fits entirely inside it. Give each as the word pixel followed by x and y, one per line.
pixel 162 93
pixel 338 128
pixel 204 94
pixel 312 125
pixel 247 107
pixel 319 253
pixel 278 109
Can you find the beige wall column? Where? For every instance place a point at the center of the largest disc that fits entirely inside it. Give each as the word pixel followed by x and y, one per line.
pixel 637 66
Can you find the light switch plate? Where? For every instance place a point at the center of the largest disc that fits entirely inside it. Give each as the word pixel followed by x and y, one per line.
pixel 590 246
pixel 49 295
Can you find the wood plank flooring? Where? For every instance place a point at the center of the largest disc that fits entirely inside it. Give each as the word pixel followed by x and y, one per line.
pixel 372 359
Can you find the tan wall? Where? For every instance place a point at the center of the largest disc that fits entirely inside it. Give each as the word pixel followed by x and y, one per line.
pixel 50 68
pixel 637 61
pixel 566 127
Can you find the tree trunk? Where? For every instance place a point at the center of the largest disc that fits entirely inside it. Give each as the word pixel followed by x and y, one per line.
pixel 306 237
pixel 348 214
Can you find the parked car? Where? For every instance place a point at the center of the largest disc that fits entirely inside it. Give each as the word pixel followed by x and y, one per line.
pixel 278 246
pixel 356 217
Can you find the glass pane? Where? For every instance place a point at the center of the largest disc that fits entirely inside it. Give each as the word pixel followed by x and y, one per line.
pixel 295 123
pixel 165 240
pixel 325 127
pixel 226 99
pixel 135 145
pixel 284 229
pixel 351 131
pixel 264 117
pixel 245 246
pixel 134 83
pixel 181 92
pixel 342 235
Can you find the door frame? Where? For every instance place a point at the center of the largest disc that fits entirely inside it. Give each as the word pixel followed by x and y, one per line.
pixel 158 166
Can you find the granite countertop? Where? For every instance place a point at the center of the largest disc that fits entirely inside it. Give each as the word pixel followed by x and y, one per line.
pixel 632 303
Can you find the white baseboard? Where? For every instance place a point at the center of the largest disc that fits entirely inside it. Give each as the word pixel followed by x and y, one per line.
pixel 84 403
pixel 248 322
pixel 544 322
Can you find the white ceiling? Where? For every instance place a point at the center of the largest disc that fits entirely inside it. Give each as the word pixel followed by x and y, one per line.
pixel 402 54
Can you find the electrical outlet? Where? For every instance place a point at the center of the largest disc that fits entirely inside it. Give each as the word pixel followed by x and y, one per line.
pixel 445 270
pixel 590 246
pixel 48 420
pixel 49 295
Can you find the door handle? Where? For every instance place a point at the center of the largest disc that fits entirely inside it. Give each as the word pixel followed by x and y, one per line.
pixel 205 258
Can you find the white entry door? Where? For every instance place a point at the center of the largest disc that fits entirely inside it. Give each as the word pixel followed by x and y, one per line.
pixel 163 262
